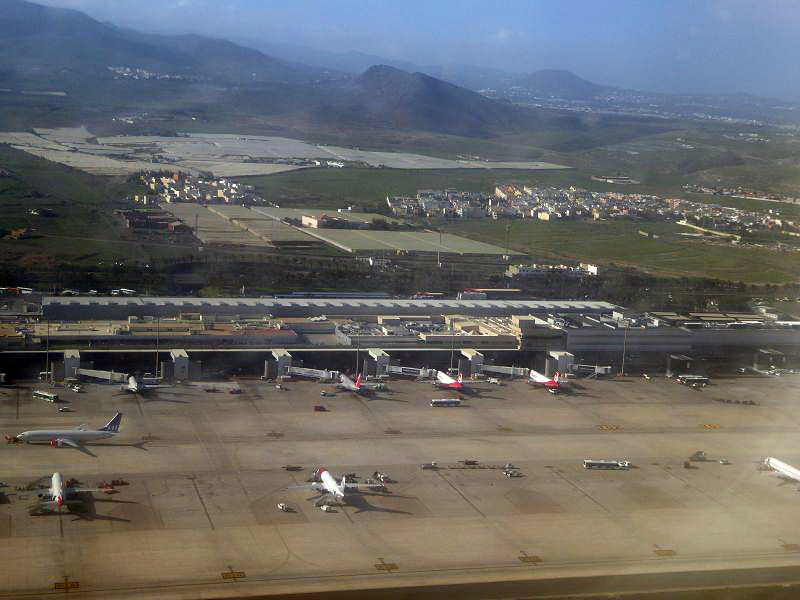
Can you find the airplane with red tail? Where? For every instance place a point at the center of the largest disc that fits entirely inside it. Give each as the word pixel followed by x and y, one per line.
pixel 551 384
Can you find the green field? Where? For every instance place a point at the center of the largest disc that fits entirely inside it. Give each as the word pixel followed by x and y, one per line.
pixel 620 243
pixel 82 230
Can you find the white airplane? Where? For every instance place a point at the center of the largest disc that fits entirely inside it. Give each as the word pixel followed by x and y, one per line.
pixel 784 470
pixel 75 438
pixel 551 384
pixel 332 490
pixel 135 386
pixel 357 386
pixel 444 381
pixel 59 494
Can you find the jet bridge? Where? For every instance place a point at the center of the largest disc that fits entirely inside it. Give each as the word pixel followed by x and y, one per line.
pixel 320 374
pixel 102 376
pixel 409 371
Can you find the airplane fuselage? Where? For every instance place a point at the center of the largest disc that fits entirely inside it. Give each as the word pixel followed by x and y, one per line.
pixel 330 484
pixel 781 467
pixel 76 435
pixel 56 490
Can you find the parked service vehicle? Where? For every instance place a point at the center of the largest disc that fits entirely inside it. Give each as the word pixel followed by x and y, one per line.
pixel 282 506
pixel 438 402
pixel 327 508
pixel 493 380
pixel 76 388
pixel 591 463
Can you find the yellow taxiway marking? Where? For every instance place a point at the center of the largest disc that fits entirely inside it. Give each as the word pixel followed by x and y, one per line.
pixel 66 585
pixel 232 575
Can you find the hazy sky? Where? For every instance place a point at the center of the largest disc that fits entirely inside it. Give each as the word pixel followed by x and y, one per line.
pixel 661 45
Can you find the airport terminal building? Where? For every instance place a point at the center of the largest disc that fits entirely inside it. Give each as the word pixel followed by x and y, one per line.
pixel 321 331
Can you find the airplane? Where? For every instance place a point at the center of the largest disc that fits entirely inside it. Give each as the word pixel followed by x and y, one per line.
pixel 357 386
pixel 785 471
pixel 444 381
pixel 552 385
pixel 135 386
pixel 75 438
pixel 59 494
pixel 332 491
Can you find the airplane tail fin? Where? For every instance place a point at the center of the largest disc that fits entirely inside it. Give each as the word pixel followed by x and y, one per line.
pixel 557 376
pixel 460 378
pixel 358 381
pixel 113 424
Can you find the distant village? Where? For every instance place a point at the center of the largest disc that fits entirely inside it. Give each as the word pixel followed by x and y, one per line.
pixel 740 192
pixel 550 204
pixel 507 201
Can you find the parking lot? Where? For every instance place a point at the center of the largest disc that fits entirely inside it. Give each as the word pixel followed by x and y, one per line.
pixel 205 472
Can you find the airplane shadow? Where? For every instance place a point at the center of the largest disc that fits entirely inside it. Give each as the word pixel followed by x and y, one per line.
pixel 139 445
pixel 87 511
pixel 361 504
pixel 383 397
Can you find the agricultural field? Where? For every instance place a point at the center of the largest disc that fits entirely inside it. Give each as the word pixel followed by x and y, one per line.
pixel 620 242
pixel 401 242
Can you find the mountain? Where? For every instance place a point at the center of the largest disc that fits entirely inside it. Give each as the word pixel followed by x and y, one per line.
pixel 398 99
pixel 166 84
pixel 353 62
pixel 50 44
pixel 560 84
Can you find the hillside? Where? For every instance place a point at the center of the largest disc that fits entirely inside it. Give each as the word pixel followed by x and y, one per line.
pixel 559 83
pixel 389 97
pixel 41 44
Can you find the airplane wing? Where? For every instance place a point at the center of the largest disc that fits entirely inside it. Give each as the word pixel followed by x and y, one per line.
pixel 68 442
pixel 306 486
pixel 52 503
pixel 444 378
pixel 376 486
pixel 538 377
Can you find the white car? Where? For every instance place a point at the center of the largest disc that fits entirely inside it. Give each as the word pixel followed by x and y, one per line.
pixel 77 389
pixel 65 409
pixel 282 506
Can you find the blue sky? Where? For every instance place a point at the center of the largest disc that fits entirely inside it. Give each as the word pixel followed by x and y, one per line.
pixel 661 45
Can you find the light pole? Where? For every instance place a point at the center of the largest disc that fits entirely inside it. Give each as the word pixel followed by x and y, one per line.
pixel 624 349
pixel 47 353
pixel 158 329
